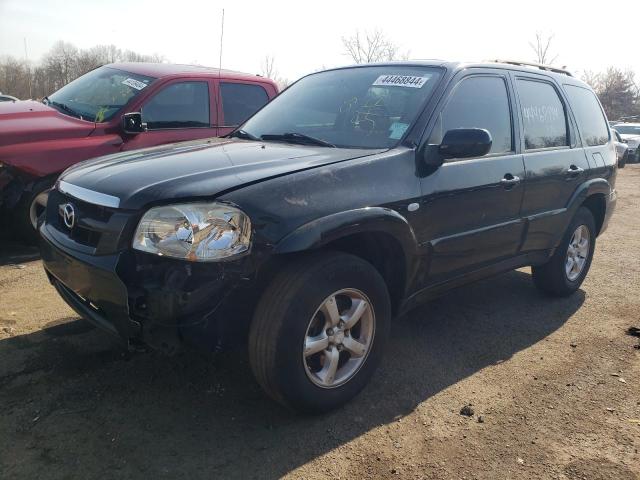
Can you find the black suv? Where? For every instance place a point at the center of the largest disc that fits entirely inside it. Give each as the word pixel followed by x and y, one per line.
pixel 350 198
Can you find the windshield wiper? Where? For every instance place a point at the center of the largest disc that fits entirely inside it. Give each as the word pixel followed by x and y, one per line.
pixel 295 137
pixel 64 108
pixel 243 134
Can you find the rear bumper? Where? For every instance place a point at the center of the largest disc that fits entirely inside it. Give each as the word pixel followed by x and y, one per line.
pixel 140 298
pixel 610 208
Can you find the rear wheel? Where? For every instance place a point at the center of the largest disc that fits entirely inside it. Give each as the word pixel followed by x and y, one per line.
pixel 565 271
pixel 319 331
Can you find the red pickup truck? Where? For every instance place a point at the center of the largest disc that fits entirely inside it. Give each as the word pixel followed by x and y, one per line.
pixel 116 107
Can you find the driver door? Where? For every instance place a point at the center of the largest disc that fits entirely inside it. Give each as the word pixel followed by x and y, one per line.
pixel 181 110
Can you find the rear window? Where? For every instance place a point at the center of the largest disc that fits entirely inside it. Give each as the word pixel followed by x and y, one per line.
pixel 240 101
pixel 591 121
pixel 544 118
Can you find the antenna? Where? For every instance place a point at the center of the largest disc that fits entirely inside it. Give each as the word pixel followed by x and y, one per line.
pixel 221 38
pixel 26 59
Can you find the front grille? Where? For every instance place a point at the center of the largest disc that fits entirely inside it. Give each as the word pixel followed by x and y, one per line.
pixel 89 220
pixel 99 228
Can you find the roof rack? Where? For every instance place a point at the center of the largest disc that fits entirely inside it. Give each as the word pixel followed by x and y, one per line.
pixel 541 66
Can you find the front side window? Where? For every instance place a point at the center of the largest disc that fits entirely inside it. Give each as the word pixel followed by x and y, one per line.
pixel 592 123
pixel 478 102
pixel 98 95
pixel 179 105
pixel 543 115
pixel 240 101
pixel 361 107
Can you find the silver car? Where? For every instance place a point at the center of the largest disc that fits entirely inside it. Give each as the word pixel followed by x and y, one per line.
pixel 622 149
pixel 630 133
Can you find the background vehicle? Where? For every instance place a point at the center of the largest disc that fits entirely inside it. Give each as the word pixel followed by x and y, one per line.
pixel 630 133
pixel 7 98
pixel 353 196
pixel 622 149
pixel 85 119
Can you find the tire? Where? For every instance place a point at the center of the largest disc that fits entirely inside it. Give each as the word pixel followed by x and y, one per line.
pixel 623 161
pixel 553 278
pixel 29 209
pixel 289 314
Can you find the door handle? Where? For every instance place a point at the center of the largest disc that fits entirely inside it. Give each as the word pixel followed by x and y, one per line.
pixel 573 169
pixel 509 180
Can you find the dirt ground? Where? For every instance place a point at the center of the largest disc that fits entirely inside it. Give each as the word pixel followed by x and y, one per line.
pixel 554 384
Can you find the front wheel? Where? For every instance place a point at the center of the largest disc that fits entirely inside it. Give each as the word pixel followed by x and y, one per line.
pixel 565 271
pixel 319 331
pixel 30 208
pixel 623 161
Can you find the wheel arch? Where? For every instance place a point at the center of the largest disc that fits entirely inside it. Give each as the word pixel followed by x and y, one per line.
pixel 592 195
pixel 378 235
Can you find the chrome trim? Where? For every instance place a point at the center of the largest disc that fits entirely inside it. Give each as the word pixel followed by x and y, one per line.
pixel 89 196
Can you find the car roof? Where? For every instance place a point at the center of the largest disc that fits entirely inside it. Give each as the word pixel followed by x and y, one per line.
pixel 560 74
pixel 163 70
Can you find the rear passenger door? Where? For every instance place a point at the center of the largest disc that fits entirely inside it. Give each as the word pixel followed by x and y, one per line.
pixel 239 101
pixel 554 162
pixel 180 110
pixel 471 206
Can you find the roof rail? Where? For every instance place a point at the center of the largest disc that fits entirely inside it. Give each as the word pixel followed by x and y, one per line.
pixel 541 66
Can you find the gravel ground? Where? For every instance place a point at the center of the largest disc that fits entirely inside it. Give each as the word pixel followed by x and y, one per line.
pixel 554 386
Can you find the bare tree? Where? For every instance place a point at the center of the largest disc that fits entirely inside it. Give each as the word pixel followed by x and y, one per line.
pixel 542 47
pixel 268 69
pixel 370 47
pixel 60 65
pixel 617 90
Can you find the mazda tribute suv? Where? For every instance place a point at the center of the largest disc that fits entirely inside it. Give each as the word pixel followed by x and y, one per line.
pixel 353 196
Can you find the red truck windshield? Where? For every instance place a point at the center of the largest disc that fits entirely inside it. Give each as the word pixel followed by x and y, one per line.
pixel 98 95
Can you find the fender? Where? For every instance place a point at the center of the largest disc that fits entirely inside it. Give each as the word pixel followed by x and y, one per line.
pixel 588 188
pixel 47 157
pixel 324 230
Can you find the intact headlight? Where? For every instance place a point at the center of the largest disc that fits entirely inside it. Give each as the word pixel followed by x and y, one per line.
pixel 199 232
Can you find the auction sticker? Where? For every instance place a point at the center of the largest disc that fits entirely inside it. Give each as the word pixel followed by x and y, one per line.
pixel 134 83
pixel 400 81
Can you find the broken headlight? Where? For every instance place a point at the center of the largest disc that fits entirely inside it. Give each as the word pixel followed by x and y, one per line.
pixel 199 232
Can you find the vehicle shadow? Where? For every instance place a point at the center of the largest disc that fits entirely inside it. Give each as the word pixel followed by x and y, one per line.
pixel 13 252
pixel 74 403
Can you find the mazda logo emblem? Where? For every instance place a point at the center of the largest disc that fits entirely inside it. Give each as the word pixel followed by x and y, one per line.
pixel 69 215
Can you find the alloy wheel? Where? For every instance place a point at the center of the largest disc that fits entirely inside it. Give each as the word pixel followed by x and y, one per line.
pixel 577 252
pixel 339 338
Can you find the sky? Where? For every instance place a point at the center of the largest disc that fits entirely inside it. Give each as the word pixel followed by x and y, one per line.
pixel 306 36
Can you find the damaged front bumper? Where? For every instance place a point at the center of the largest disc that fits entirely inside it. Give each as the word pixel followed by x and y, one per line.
pixel 11 187
pixel 142 298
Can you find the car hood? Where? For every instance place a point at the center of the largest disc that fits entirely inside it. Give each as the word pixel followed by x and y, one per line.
pixel 202 168
pixel 31 121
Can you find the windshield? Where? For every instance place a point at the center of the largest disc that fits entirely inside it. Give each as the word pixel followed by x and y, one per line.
pixel 367 107
pixel 628 129
pixel 98 95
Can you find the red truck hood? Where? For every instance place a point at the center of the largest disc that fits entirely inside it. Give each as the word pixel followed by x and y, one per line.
pixel 31 121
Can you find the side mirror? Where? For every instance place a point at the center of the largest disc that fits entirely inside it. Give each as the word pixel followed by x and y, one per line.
pixel 465 143
pixel 132 123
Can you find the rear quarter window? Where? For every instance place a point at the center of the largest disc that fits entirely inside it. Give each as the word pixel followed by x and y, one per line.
pixel 591 120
